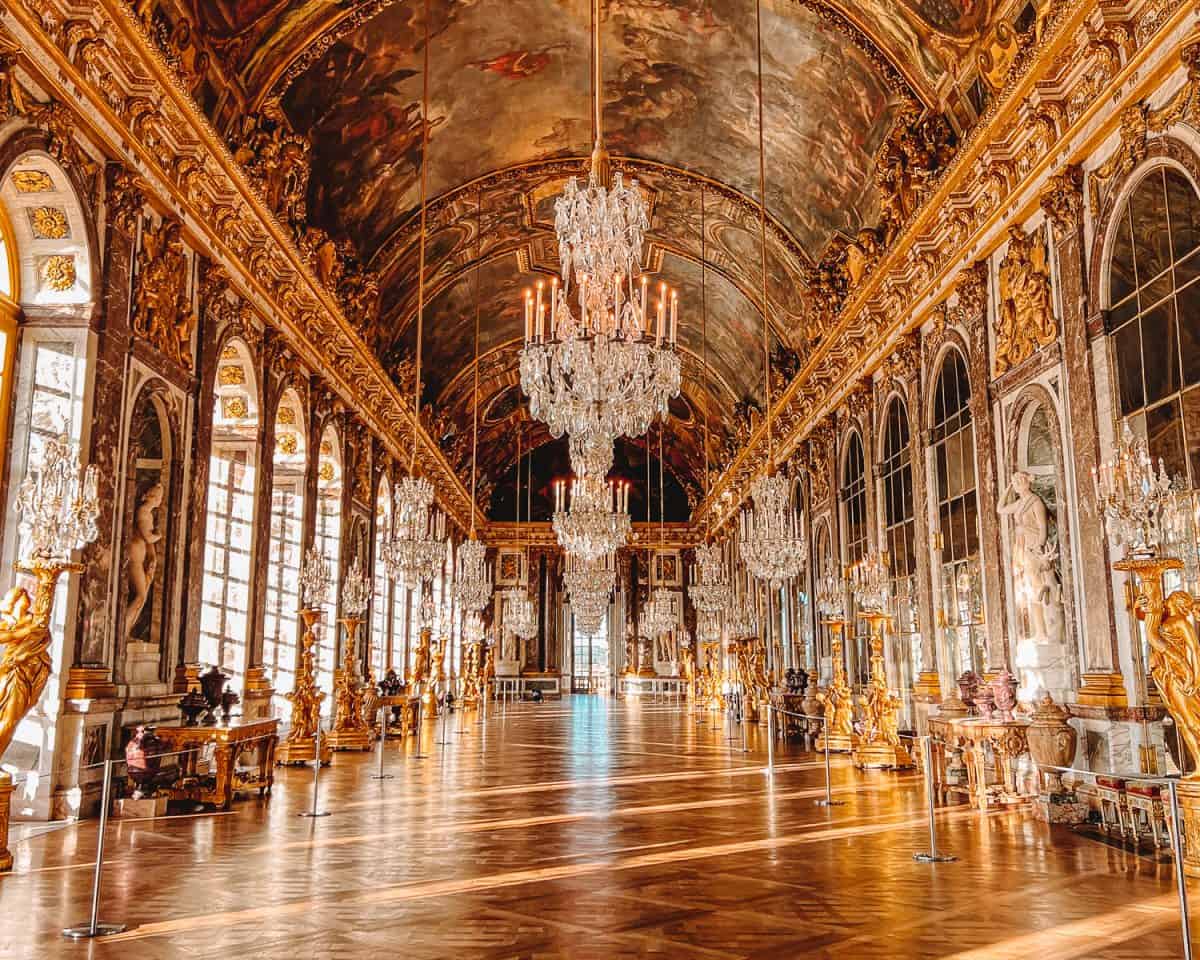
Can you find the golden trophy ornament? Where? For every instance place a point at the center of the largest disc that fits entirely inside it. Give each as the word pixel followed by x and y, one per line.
pixel 837 699
pixel 300 745
pixel 58 506
pixel 879 745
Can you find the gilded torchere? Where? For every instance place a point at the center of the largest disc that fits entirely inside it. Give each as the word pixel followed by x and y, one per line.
pixel 836 698
pixel 879 745
pixel 350 730
pixel 306 699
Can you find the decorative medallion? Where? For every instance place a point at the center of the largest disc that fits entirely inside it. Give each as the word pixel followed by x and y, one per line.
pixel 234 408
pixel 230 352
pixel 287 443
pixel 49 223
pixel 57 272
pixel 231 375
pixel 326 471
pixel 32 181
pixel 287 416
pixel 326 448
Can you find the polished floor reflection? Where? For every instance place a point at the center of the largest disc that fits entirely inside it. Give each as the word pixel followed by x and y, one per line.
pixel 590 829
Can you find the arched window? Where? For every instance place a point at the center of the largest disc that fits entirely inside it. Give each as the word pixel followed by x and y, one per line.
pixel 281 623
pixel 381 601
pixel 329 544
pixel 1154 297
pixel 229 531
pixel 899 532
pixel 855 543
pixel 823 564
pixel 957 536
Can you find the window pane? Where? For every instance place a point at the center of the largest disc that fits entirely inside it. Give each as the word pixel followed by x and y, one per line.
pixel 1161 369
pixel 1148 213
pixel 1122 280
pixel 1183 207
pixel 1187 312
pixel 1165 436
pixel 1127 344
pixel 1191 427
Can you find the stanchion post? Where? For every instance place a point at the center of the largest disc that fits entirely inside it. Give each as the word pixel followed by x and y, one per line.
pixel 828 801
pixel 94 928
pixel 379 774
pixel 770 740
pixel 932 856
pixel 1185 925
pixel 314 812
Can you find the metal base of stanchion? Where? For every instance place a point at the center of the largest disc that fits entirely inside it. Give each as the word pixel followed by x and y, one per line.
pixel 831 803
pixel 933 858
pixel 85 931
pixel 382 776
pixel 314 813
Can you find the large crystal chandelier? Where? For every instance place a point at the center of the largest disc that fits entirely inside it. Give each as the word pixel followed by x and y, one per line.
pixel 1140 505
pixel 742 618
pixel 596 519
pixel 659 617
pixel 589 585
pixel 520 617
pixel 472 577
pixel 709 587
pixel 609 370
pixel 771 541
pixel 415 552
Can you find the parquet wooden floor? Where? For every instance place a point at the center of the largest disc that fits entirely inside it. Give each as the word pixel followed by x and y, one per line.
pixel 593 830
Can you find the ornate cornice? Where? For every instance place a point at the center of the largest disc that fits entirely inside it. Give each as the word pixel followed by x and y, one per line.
pixel 131 102
pixel 1090 56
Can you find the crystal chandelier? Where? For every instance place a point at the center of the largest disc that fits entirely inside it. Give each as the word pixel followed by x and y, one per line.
pixel 659 615
pixel 709 588
pixel 472 577
pixel 869 582
pixel 356 591
pixel 708 628
pixel 831 597
pixel 596 521
pixel 58 507
pixel 771 543
pixel 589 585
pixel 742 618
pixel 608 371
pixel 519 614
pixel 1140 505
pixel 589 610
pixel 417 546
pixel 314 580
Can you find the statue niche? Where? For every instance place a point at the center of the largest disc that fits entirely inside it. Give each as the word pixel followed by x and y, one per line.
pixel 147 539
pixel 1025 322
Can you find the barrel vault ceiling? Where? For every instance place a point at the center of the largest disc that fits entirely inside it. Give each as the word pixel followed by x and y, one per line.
pixel 509 118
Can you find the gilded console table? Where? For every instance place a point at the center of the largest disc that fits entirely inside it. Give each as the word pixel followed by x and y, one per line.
pixel 990 751
pixel 227 743
pixel 403 714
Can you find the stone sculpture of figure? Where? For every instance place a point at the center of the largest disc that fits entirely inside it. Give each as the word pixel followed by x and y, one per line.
pixel 1174 658
pixel 143 555
pixel 1034 579
pixel 25 664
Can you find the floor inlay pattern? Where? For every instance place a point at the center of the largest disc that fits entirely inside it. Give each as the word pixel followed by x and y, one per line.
pixel 590 829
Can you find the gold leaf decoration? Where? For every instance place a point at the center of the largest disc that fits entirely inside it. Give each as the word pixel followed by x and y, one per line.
pixel 32 181
pixel 49 223
pixel 287 416
pixel 234 408
pixel 326 448
pixel 326 471
pixel 287 443
pixel 231 375
pixel 57 272
pixel 229 353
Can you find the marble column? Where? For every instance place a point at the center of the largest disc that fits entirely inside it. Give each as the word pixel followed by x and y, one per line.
pixel 973 306
pixel 1102 684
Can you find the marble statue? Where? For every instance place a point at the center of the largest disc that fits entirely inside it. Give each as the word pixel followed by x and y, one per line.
pixel 143 555
pixel 1035 582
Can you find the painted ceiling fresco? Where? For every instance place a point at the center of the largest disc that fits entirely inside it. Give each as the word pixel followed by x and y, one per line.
pixel 510 121
pixel 679 89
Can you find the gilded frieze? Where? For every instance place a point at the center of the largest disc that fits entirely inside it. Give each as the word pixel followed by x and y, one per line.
pixel 162 313
pixel 1025 321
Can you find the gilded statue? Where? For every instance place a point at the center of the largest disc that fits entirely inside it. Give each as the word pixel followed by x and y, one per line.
pixel 348 693
pixel 143 555
pixel 25 664
pixel 1174 657
pixel 278 162
pixel 421 658
pixel 306 697
pixel 1026 316
pixel 917 149
pixel 162 314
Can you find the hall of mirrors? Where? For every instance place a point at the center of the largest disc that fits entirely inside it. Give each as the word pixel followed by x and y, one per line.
pixel 703 451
